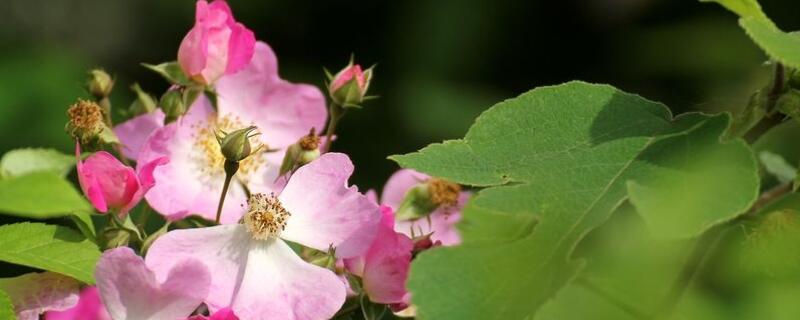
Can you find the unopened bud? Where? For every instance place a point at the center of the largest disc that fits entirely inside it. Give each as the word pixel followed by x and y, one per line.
pixel 86 123
pixel 301 153
pixel 100 83
pixel 172 105
pixel 424 198
pixel 348 88
pixel 235 146
pixel 144 103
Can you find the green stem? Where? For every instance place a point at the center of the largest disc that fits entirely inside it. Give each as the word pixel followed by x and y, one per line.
pixel 336 114
pixel 119 224
pixel 230 171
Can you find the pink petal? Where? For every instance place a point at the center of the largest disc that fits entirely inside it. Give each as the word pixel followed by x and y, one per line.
pixel 347 74
pixel 89 185
pixel 277 284
pixel 129 290
pixel 34 293
pixel 282 111
pixel 89 307
pixel 107 182
pixel 134 132
pixel 386 266
pixel 398 184
pixel 223 249
pixel 146 181
pixel 193 50
pixel 372 195
pixel 325 211
pixel 185 185
pixel 221 314
pixel 240 48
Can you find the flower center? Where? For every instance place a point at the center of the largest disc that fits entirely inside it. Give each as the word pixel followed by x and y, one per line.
pixel 210 159
pixel 265 217
pixel 85 119
pixel 444 193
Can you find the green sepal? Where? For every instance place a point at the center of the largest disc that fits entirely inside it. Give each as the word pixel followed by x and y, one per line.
pixel 171 71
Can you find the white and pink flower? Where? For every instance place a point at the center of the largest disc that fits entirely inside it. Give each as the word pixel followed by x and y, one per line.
pixel 191 183
pixel 254 271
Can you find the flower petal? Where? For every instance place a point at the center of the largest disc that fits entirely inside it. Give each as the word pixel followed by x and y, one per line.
pixel 386 266
pixel 134 132
pixel 282 111
pixel 325 211
pixel 277 284
pixel 34 293
pixel 129 290
pixel 223 249
pixel 89 307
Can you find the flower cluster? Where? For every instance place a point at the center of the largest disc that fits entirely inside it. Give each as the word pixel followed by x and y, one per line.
pixel 259 221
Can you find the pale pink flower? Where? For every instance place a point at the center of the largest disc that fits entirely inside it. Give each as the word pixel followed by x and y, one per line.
pixel 383 268
pixel 442 220
pixel 191 183
pixel 109 184
pixel 130 290
pixel 134 132
pixel 89 307
pixel 254 271
pixel 216 45
pixel 35 293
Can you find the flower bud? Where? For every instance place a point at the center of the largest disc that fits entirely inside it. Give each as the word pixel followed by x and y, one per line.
pixel 144 103
pixel 235 146
pixel 349 86
pixel 301 153
pixel 789 103
pixel 424 198
pixel 217 44
pixel 100 83
pixel 172 105
pixel 86 124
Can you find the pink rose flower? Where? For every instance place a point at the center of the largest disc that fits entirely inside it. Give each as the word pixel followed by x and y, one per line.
pixel 216 45
pixel 191 182
pixel 254 271
pixel 349 86
pixel 89 307
pixel 384 267
pixel 129 290
pixel 442 220
pixel 109 184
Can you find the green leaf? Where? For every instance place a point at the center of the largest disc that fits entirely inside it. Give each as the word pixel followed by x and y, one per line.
pixel 48 247
pixel 83 220
pixel 782 46
pixel 744 8
pixel 23 161
pixel 171 71
pixel 40 196
pixel 6 308
pixel 557 161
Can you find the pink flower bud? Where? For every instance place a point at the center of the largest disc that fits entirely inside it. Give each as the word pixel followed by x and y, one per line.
pixel 349 86
pixel 109 184
pixel 217 45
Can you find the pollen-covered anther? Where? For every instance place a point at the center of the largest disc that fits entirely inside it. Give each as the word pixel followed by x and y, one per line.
pixel 265 217
pixel 444 193
pixel 310 141
pixel 85 120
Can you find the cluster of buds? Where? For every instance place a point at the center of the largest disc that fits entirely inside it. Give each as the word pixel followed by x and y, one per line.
pixel 425 197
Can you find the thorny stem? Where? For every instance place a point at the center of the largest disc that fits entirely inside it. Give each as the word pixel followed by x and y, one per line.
pixel 230 171
pixel 336 112
pixel 703 246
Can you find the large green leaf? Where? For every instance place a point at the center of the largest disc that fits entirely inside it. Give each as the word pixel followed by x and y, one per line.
pixel 557 161
pixel 40 195
pixel 48 247
pixel 781 46
pixel 23 161
pixel 6 308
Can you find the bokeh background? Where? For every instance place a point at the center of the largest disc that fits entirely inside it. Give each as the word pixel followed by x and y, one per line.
pixel 440 63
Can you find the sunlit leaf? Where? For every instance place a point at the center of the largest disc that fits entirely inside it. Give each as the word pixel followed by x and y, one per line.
pixel 557 161
pixel 23 161
pixel 48 247
pixel 40 196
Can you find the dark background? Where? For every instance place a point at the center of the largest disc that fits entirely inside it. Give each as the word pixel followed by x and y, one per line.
pixel 440 62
